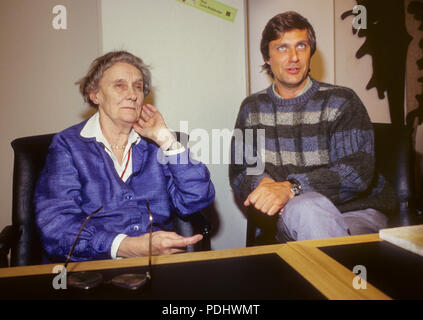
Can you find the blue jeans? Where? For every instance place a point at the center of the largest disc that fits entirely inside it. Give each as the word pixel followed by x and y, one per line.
pixel 313 216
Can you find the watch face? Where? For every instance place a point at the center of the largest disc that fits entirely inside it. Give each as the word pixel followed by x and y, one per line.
pixel 295 187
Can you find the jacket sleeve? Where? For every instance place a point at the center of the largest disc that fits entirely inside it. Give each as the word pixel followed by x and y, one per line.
pixel 189 184
pixel 59 215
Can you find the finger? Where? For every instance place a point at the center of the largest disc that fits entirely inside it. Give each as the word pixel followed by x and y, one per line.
pixel 274 210
pixel 196 238
pixel 173 251
pixel 259 203
pixel 147 111
pixel 172 235
pixel 193 239
pixel 177 243
pixel 137 128
pixel 145 116
pixel 264 202
pixel 141 123
pixel 247 202
pixel 267 205
pixel 254 196
pixel 151 108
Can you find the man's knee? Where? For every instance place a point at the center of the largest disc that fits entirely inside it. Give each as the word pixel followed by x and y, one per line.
pixel 308 204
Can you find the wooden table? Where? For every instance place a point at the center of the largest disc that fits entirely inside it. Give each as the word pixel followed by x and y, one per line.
pixel 332 279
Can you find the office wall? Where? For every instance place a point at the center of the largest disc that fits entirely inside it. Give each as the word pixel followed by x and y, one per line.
pixel 198 64
pixel 38 68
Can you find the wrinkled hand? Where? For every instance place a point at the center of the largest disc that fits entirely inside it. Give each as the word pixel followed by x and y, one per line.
pixel 151 125
pixel 162 242
pixel 270 197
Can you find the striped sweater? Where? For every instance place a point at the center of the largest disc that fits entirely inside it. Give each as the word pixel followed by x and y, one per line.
pixel 322 138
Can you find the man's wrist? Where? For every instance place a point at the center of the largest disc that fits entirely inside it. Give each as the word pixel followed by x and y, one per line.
pixel 265 180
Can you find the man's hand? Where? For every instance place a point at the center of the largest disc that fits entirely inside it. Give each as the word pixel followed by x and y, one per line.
pixel 151 125
pixel 270 196
pixel 163 242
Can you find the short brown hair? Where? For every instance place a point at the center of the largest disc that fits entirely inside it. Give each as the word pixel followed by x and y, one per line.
pixel 279 24
pixel 90 83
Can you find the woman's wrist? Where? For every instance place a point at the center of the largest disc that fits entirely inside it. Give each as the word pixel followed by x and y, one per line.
pixel 132 247
pixel 165 139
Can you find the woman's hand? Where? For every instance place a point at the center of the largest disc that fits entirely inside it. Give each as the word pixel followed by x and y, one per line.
pixel 162 242
pixel 151 125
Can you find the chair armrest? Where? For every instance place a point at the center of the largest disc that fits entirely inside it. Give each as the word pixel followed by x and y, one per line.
pixel 261 228
pixel 8 238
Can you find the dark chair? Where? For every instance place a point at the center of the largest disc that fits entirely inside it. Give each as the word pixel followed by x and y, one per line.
pixel 395 159
pixel 21 237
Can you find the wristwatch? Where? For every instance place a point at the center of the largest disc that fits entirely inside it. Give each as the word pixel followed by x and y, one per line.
pixel 296 187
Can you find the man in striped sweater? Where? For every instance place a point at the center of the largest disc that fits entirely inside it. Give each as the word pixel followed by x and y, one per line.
pixel 319 174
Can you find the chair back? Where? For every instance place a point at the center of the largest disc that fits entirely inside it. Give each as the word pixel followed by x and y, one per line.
pixel 395 160
pixel 30 154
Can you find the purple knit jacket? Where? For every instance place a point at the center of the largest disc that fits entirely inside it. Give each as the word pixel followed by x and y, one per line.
pixel 79 177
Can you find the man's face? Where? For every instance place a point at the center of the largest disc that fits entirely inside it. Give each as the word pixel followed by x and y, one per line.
pixel 289 59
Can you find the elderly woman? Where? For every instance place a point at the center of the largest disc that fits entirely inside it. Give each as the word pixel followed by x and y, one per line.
pixel 120 158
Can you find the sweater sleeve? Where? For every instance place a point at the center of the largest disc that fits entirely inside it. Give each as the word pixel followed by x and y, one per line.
pixel 247 167
pixel 59 214
pixel 350 171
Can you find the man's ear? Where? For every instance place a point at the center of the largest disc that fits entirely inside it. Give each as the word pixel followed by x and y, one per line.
pixel 93 97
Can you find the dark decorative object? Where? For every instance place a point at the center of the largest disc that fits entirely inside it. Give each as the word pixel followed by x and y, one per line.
pixel 416 8
pixel 387 42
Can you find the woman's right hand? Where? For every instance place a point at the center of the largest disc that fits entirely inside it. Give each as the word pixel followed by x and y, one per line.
pixel 163 242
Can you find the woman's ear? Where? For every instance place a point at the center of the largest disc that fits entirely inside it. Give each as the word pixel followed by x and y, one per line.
pixel 93 97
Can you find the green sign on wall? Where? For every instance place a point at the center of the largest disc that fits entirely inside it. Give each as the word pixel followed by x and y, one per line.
pixel 213 7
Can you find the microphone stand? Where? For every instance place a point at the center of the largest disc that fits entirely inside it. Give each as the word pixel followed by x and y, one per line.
pixel 134 281
pixel 88 279
pixel 150 240
pixel 84 279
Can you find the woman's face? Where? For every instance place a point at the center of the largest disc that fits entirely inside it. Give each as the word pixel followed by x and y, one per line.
pixel 120 94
